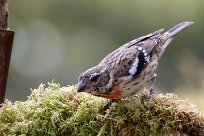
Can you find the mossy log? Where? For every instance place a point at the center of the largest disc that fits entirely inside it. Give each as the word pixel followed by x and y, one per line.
pixel 56 110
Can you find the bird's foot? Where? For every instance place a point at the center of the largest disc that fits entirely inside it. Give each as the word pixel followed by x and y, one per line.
pixel 151 93
pixel 107 106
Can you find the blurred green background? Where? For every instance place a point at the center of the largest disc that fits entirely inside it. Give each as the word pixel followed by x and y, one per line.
pixel 59 39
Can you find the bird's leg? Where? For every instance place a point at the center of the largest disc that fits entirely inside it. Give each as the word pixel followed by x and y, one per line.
pixel 152 90
pixel 107 106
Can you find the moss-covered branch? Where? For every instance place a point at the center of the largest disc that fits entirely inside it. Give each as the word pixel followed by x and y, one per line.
pixel 59 110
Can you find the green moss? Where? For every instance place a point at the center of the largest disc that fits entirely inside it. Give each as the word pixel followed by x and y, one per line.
pixel 56 110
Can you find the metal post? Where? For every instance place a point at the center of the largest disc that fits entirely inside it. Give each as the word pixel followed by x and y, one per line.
pixel 6 42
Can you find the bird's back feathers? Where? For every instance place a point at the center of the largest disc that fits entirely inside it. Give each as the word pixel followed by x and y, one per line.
pixel 131 58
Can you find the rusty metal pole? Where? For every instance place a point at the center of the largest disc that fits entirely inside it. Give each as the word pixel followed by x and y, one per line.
pixel 6 42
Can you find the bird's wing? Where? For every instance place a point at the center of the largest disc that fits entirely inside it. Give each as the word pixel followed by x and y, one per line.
pixel 135 42
pixel 132 57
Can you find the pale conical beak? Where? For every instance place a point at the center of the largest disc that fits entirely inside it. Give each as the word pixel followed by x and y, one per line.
pixel 80 86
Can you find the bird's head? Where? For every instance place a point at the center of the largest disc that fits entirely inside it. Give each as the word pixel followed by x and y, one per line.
pixel 93 80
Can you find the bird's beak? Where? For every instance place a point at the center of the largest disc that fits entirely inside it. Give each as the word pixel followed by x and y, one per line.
pixel 80 86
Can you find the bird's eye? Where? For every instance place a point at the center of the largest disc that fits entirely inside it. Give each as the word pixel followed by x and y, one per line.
pixel 80 77
pixel 94 78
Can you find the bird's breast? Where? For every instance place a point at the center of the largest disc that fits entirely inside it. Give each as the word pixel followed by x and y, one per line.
pixel 115 93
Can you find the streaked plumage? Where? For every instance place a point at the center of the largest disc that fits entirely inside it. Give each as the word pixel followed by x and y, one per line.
pixel 126 70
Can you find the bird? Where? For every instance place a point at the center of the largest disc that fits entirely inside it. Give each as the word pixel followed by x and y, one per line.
pixel 123 72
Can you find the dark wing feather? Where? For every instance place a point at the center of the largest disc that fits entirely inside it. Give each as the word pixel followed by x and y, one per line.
pixel 143 38
pixel 141 64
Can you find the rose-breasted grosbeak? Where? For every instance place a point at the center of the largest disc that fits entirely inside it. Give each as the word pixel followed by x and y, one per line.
pixel 125 71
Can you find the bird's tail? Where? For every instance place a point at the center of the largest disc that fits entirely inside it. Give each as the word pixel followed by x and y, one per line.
pixel 175 30
pixel 168 36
